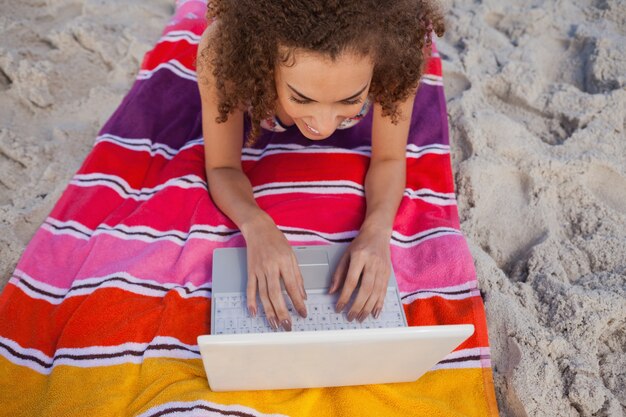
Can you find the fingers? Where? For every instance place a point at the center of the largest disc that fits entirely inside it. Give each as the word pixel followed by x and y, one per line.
pixel 279 307
pixel 273 301
pixel 251 289
pixel 340 273
pixel 374 278
pixel 366 291
pixel 355 268
pixel 298 285
pixel 270 314
pixel 374 304
pixel 368 307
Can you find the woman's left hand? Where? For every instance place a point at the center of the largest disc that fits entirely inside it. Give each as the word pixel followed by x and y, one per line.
pixel 367 261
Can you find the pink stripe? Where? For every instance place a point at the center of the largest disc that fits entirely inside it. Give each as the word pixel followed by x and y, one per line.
pixel 46 259
pixel 175 208
pixel 183 18
pixel 438 262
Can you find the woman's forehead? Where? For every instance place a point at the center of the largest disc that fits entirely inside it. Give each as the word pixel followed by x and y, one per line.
pixel 323 79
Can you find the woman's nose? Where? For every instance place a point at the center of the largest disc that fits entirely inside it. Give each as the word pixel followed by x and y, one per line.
pixel 326 123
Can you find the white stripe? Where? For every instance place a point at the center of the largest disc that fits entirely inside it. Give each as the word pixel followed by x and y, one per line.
pixel 309 187
pixel 422 295
pixel 25 351
pixel 347 187
pixel 177 35
pixel 84 230
pixel 469 285
pixel 136 286
pixel 430 81
pixel 432 77
pixel 121 187
pixel 146 145
pixel 413 240
pixel 471 288
pixel 180 350
pixel 413 151
pixel 480 351
pixel 199 231
pixel 312 236
pixel 19 279
pixel 432 197
pixel 173 65
pixel 215 234
pixel 464 353
pixel 462 365
pixel 250 154
pixel 198 410
pixel 65 232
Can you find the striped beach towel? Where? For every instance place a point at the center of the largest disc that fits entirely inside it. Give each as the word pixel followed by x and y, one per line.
pixel 101 315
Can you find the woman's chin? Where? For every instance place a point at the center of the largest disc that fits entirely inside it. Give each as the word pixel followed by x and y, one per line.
pixel 311 137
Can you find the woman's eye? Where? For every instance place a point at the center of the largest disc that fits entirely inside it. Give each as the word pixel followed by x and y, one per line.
pixel 349 103
pixel 298 100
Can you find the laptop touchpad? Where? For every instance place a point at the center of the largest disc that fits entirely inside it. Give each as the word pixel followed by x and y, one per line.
pixel 314 267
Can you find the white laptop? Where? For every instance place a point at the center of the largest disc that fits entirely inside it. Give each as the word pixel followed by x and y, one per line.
pixel 322 350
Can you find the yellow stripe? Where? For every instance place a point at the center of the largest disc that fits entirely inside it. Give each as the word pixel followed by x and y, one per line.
pixel 132 389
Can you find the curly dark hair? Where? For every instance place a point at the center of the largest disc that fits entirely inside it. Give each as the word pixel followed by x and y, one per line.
pixel 245 49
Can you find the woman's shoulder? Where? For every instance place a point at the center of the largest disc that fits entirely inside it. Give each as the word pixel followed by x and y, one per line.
pixel 206 37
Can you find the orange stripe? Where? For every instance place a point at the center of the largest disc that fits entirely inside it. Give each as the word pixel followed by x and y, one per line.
pixel 436 310
pixel 106 317
pixel 112 316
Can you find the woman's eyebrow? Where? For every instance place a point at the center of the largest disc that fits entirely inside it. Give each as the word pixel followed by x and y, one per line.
pixel 345 99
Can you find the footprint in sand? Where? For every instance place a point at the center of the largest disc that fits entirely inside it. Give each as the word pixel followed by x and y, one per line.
pixel 607 186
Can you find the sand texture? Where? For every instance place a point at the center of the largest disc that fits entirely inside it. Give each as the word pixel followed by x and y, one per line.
pixel 537 103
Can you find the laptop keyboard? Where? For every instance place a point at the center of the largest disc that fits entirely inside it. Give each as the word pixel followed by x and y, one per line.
pixel 231 314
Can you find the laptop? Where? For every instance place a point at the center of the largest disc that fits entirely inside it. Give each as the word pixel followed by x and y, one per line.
pixel 322 350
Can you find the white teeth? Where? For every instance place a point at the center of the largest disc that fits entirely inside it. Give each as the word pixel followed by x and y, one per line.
pixel 312 130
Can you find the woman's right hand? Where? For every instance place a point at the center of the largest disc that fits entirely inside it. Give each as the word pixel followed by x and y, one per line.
pixel 270 259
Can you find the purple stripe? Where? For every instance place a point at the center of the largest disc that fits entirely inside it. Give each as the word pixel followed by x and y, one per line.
pixel 166 109
pixel 429 126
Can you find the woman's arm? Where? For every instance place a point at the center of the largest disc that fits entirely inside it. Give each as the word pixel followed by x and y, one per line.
pixel 270 257
pixel 368 258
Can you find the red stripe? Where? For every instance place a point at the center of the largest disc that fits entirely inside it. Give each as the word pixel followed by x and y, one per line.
pixel 110 317
pixel 138 168
pixel 430 171
pixel 433 67
pixel 182 51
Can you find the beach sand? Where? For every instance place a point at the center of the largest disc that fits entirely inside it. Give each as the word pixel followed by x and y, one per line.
pixel 537 104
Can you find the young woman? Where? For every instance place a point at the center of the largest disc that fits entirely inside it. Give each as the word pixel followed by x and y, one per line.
pixel 318 66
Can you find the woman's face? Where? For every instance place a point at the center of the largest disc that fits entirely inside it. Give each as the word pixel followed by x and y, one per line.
pixel 318 94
